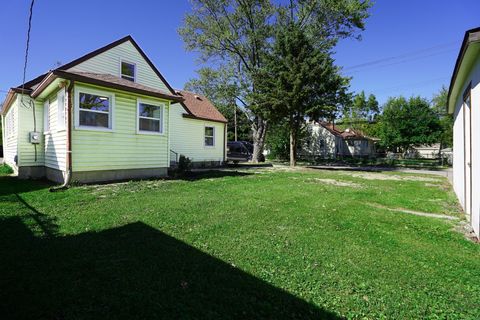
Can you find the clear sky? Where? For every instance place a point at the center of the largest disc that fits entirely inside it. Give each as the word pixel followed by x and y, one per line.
pixel 409 47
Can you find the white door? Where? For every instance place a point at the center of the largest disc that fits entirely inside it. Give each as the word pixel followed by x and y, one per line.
pixel 468 155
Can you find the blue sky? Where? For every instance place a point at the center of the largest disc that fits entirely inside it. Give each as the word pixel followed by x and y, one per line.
pixel 409 47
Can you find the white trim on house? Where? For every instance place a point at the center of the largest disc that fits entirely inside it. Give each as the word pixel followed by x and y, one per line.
pixel 111 109
pixel 205 136
pixel 46 117
pixel 61 114
pixel 161 120
pixel 134 70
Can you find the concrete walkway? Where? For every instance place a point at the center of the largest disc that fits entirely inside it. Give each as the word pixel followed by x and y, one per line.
pixel 441 172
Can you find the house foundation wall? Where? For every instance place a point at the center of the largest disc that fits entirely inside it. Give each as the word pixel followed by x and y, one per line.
pixel 31 172
pixel 118 175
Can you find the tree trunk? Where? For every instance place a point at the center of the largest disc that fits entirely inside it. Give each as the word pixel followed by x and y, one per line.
pixel 293 147
pixel 259 128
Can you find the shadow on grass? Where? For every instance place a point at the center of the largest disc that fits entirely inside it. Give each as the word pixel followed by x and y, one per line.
pixel 212 174
pixel 10 185
pixel 129 272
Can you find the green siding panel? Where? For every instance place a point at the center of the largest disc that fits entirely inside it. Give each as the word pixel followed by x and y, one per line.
pixel 121 148
pixel 26 150
pixel 188 136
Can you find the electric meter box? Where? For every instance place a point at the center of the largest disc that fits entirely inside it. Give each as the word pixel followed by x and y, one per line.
pixel 35 137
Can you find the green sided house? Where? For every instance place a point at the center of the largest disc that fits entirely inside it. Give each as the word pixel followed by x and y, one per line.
pixel 109 115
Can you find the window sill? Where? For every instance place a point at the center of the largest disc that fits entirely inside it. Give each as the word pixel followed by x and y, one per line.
pixel 150 133
pixel 99 129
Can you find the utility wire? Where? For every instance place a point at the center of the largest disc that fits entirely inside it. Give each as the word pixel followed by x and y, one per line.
pixel 31 103
pixel 381 66
pixel 402 56
pixel 28 45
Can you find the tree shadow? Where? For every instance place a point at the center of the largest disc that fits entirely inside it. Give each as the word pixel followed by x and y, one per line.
pixel 130 272
pixel 10 185
pixel 212 174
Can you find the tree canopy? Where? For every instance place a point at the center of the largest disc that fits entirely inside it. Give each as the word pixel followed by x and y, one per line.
pixel 439 105
pixel 297 81
pixel 408 122
pixel 238 34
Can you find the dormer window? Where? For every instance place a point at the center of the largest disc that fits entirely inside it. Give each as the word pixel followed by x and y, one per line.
pixel 128 71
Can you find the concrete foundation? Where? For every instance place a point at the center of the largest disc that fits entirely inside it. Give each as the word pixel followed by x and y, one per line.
pixel 31 172
pixel 55 175
pixel 118 175
pixel 206 164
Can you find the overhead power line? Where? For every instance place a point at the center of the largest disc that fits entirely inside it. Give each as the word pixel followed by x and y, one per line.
pixel 412 54
pixel 381 66
pixel 28 44
pixel 412 85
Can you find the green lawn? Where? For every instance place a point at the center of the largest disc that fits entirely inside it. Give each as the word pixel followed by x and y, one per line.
pixel 255 244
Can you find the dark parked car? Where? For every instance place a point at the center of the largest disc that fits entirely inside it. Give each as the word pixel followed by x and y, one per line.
pixel 240 151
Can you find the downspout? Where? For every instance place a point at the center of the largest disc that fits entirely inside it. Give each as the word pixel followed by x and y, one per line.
pixel 225 143
pixel 66 181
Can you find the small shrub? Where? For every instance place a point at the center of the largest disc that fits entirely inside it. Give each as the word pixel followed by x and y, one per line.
pixel 184 166
pixel 5 169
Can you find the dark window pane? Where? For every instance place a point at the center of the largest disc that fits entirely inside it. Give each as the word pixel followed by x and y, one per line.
pixel 128 71
pixel 209 131
pixel 93 119
pixel 209 141
pixel 147 110
pixel 149 125
pixel 94 102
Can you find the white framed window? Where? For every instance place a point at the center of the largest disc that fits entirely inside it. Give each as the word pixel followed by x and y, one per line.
pixel 94 109
pixel 209 136
pixel 9 123
pixel 128 70
pixel 61 110
pixel 150 117
pixel 46 116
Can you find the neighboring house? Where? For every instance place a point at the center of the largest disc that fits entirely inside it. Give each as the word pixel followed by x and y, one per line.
pixel 108 115
pixel 324 140
pixel 464 103
pixel 425 151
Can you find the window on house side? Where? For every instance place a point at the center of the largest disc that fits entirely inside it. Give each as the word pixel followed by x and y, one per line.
pixel 128 71
pixel 209 136
pixel 94 110
pixel 150 118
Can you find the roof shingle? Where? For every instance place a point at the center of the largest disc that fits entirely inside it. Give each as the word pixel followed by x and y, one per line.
pixel 200 107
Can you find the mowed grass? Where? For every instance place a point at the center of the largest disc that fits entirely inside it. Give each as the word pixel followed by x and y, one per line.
pixel 244 245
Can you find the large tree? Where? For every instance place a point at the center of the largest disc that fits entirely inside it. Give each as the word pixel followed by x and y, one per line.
pixel 361 111
pixel 218 87
pixel 298 81
pixel 439 105
pixel 406 123
pixel 239 33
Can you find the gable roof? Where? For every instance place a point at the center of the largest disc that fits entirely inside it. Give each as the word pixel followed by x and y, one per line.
pixel 33 83
pixel 348 134
pixel 106 80
pixel 471 36
pixel 199 107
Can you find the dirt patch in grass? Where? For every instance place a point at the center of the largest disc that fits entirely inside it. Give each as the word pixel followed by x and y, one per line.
pixel 416 213
pixel 383 176
pixel 334 182
pixel 466 229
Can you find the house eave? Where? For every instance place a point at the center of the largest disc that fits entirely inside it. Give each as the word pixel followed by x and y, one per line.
pixel 11 97
pixel 191 116
pixel 470 47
